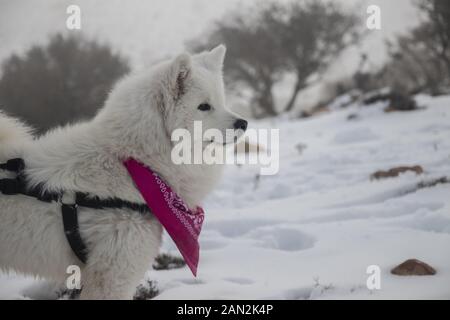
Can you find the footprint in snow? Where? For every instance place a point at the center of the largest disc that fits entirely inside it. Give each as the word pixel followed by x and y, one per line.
pixel 355 136
pixel 283 239
pixel 239 280
pixel 236 228
pixel 212 244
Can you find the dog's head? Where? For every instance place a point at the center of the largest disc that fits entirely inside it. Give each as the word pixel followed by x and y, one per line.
pixel 172 95
pixel 196 94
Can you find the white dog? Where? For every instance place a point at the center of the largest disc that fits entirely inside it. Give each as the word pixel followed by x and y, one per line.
pixel 136 121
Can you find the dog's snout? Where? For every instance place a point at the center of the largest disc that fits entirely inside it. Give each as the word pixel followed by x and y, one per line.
pixel 240 124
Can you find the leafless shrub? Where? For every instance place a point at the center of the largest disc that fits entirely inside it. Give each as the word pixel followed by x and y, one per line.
pixel 299 39
pixel 61 82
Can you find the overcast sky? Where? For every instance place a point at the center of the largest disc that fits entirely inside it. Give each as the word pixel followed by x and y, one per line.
pixel 146 31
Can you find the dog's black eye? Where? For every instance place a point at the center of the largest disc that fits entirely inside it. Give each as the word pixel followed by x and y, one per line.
pixel 204 107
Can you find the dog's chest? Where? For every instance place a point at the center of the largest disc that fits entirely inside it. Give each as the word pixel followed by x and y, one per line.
pixel 197 181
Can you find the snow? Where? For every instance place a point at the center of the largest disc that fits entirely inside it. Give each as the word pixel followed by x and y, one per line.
pixel 311 231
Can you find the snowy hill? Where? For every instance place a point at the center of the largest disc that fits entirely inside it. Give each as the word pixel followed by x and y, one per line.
pixel 311 231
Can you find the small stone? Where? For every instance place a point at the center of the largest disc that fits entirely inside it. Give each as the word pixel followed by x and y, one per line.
pixel 401 102
pixel 413 267
pixel 395 172
pixel 246 147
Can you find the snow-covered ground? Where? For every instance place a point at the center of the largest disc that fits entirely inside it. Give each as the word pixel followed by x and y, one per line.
pixel 311 231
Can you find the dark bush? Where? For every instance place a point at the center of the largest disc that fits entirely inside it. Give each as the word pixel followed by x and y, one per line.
pixel 146 291
pixel 401 102
pixel 166 261
pixel 64 81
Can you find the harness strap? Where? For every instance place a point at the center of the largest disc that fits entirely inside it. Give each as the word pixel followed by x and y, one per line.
pixel 69 207
pixel 85 200
pixel 72 231
pixel 14 165
pixel 10 186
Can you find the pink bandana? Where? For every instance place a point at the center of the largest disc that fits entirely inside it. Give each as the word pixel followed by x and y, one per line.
pixel 182 224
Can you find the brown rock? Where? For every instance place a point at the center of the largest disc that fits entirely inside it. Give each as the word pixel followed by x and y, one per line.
pixel 395 172
pixel 246 147
pixel 413 267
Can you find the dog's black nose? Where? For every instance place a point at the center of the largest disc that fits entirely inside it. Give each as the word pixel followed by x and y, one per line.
pixel 240 124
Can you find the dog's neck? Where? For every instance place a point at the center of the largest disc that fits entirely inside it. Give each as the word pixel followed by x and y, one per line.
pixel 88 157
pixel 151 145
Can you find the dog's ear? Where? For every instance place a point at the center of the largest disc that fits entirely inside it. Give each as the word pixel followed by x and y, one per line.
pixel 180 72
pixel 215 58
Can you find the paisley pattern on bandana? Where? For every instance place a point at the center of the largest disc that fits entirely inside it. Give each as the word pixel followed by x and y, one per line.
pixel 181 223
pixel 191 220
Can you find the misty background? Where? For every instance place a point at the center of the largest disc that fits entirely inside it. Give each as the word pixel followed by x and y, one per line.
pixel 363 118
pixel 136 34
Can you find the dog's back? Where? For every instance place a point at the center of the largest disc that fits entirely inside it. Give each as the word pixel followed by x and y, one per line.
pixel 13 135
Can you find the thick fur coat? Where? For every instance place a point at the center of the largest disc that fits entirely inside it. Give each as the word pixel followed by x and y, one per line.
pixel 136 121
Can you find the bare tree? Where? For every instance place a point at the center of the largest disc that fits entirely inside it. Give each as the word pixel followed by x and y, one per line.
pixel 300 38
pixel 420 59
pixel 251 60
pixel 435 34
pixel 315 33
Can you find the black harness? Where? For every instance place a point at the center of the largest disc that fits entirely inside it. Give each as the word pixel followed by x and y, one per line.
pixel 70 201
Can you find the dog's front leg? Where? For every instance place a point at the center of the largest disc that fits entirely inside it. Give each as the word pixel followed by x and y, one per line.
pixel 103 284
pixel 122 253
pixel 112 276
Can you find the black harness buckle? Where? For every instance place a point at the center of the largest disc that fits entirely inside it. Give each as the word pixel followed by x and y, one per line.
pixel 14 165
pixel 10 186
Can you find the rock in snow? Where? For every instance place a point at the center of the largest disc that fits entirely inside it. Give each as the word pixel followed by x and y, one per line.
pixel 395 172
pixel 312 230
pixel 413 267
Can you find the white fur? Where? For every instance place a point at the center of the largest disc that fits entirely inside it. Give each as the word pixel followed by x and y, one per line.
pixel 136 121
